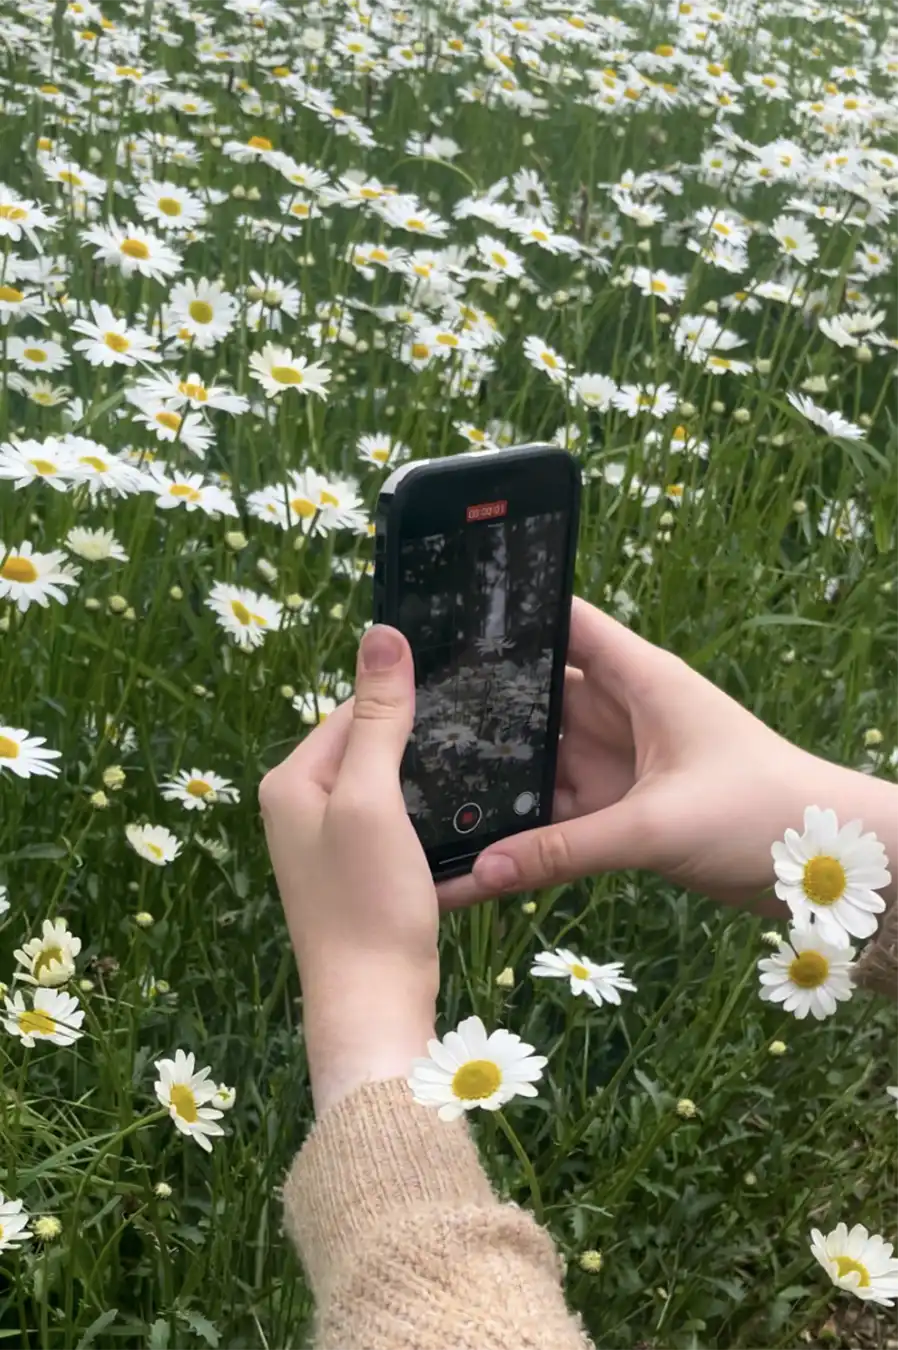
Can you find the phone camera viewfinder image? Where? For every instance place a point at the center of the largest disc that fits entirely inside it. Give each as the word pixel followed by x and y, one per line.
pixel 480 608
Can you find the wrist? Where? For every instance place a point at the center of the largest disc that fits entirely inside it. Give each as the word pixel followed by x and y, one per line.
pixel 365 1026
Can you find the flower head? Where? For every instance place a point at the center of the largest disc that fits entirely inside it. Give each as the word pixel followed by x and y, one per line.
pixel 830 876
pixel 469 1069
pixel 859 1261
pixel 188 1097
pixel 53 1016
pixel 49 959
pixel 602 984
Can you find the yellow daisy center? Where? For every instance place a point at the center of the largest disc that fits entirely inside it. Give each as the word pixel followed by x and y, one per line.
pixel 327 498
pixel 194 391
pixel 847 1265
pixel 241 613
pixel 128 70
pixel 36 1022
pixel 824 880
pixel 300 209
pixel 549 360
pixel 135 248
pixel 659 287
pixel 809 970
pixel 414 223
pixel 67 176
pixel 789 242
pixel 184 1102
pixel 420 351
pixel 46 960
pixel 301 506
pixel 17 568
pixel 281 72
pixel 539 235
pixel 154 849
pixel 183 490
pixel 11 295
pixel 579 972
pixel 260 143
pixel 447 340
pixel 200 311
pixel 44 466
pixel 286 374
pixel 380 455
pixel 169 206
pixel 476 1080
pixel 171 421
pixel 198 787
pixel 35 354
pixel 12 213
pixel 9 749
pixel 116 341
pixel 93 462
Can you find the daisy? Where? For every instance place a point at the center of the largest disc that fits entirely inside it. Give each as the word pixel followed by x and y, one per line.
pixel 468 1069
pixel 405 213
pixel 20 216
pixel 830 876
pixel 54 1016
pixel 245 615
pixel 18 304
pixel 13 1223
pixel 189 429
pixel 187 1096
pixel 452 736
pixel 807 975
pixel 41 392
pixel 537 232
pixel 4 901
pixel 859 1261
pixel 168 387
pixel 276 369
pixel 498 258
pixel 225 1097
pixel 313 708
pixel 30 578
pixel 109 341
pixel 95 545
pixel 168 205
pixel 593 391
pixel 658 283
pixel 101 470
pixel 189 490
pixel 37 354
pixel 546 359
pixel 476 436
pixel 200 312
pixel 24 756
pixel 49 960
pixel 833 423
pixel 633 399
pixel 197 790
pixel 133 250
pixel 600 983
pixel 246 152
pixel 795 239
pixel 382 451
pixel 153 842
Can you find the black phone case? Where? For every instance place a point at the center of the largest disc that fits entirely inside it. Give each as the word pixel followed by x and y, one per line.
pixel 423 484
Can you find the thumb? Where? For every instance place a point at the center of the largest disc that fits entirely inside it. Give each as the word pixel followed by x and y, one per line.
pixel 384 706
pixel 606 841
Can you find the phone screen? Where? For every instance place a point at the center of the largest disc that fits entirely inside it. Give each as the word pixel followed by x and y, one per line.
pixel 480 608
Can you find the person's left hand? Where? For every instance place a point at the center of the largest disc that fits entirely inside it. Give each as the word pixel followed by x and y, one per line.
pixel 357 892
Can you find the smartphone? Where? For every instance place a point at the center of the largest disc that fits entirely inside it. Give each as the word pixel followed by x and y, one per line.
pixel 474 563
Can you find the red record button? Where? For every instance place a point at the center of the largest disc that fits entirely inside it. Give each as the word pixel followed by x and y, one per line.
pixel 467 818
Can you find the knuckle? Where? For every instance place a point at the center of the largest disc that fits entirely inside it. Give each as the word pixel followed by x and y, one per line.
pixel 553 855
pixel 375 705
pixel 353 808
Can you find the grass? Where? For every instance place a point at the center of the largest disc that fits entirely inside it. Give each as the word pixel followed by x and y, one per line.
pixel 742 563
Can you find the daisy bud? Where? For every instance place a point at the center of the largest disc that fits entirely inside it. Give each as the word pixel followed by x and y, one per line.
pixel 235 540
pixel 163 1190
pixel 4 989
pixel 144 919
pixel 528 907
pixel 92 604
pixel 512 300
pixel 749 1179
pixel 763 366
pixel 742 415
pixel 686 1109
pixel 294 601
pixel 663 318
pixel 129 615
pixel 644 246
pixel 591 1261
pixel 788 656
pixel 777 1048
pixel 865 420
pixel 47 1227
pixel 873 736
pixel 238 191
pixel 114 777
pixel 95 154
pixel 863 354
pixel 527 140
pixel 253 194
pixel 337 612
pixel 718 407
pixel 800 507
pixel 117 604
pixel 175 593
pixel 781 438
pixel 215 142
pixel 771 939
pixel 505 978
pixel 815 384
pixel 266 571
pixel 287 691
pixel 99 801
pixel 86 986
pixel 710 306
pixel 199 690
pixel 665 520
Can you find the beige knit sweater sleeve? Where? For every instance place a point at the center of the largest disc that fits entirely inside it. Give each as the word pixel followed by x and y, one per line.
pixel 406 1245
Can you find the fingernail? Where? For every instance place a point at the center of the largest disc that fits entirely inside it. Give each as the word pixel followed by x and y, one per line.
pixel 497 872
pixel 381 648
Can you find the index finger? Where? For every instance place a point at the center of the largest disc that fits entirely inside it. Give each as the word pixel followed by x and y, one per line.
pixel 318 757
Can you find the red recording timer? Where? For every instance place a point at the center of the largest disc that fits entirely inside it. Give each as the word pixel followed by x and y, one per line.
pixel 486 511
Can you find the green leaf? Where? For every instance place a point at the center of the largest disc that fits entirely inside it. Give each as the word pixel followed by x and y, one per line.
pixel 160 1335
pixel 200 1325
pixel 33 852
pixel 98 410
pixel 99 1324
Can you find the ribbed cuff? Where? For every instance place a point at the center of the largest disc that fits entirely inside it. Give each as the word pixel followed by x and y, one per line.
pixel 877 967
pixel 373 1157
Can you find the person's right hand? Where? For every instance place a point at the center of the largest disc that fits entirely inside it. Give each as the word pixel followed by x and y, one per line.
pixel 659 769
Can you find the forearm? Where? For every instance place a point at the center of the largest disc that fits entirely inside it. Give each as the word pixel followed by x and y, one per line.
pixel 405 1244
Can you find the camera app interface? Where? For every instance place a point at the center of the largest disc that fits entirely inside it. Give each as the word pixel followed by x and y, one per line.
pixel 480 608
